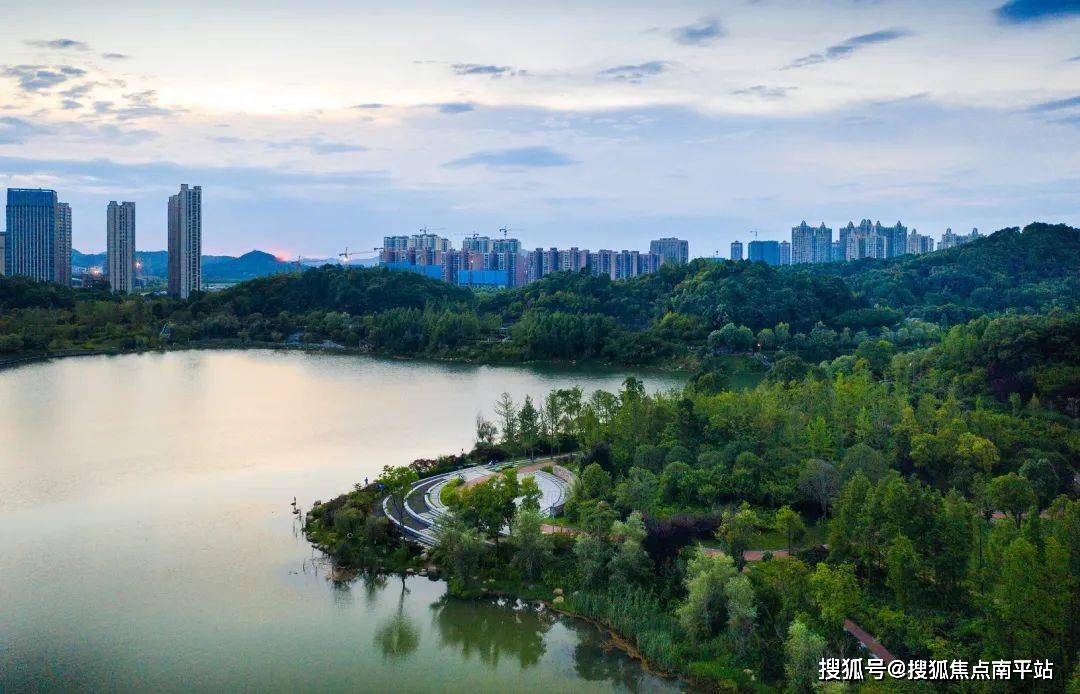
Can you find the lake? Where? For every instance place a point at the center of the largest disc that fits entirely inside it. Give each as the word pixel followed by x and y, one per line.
pixel 148 541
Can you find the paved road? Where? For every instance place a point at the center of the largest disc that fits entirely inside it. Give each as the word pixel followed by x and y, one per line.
pixel 419 517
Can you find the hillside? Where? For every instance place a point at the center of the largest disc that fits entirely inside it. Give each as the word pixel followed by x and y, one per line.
pixel 1031 270
pixel 216 268
pixel 682 313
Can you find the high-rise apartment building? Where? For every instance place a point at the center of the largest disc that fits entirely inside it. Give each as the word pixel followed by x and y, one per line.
pixel 673 250
pixel 574 259
pixel 62 254
pixel 949 239
pixel 895 239
pixel 736 250
pixel 476 244
pixel 185 241
pixel 32 229
pixel 811 244
pixel 918 244
pixel 785 253
pixel 836 251
pixel 120 246
pixel 767 252
pixel 3 254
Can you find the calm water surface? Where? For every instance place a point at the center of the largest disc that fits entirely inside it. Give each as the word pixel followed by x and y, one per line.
pixel 147 540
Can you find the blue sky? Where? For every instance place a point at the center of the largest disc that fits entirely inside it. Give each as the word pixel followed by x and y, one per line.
pixel 316 125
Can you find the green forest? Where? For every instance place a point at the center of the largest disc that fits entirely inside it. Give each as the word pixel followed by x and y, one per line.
pixel 929 497
pixel 680 316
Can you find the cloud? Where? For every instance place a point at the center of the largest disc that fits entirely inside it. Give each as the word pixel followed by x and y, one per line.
pixel 634 73
pixel 15 131
pixel 35 78
pixel 60 44
pixel 1055 105
pixel 1074 59
pixel 478 69
pixel 455 107
pixel 79 90
pixel 764 92
pixel 572 201
pixel 115 56
pixel 1024 11
pixel 514 159
pixel 329 147
pixel 702 32
pixel 847 47
pixel 314 144
pixel 368 106
pixel 162 175
pixel 141 104
pixel 70 104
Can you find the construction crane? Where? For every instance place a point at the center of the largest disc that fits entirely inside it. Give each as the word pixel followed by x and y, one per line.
pixel 347 254
pixel 427 230
pixel 506 230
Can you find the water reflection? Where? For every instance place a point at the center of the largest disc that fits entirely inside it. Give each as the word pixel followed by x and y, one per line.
pixel 490 632
pixel 597 660
pixel 397 637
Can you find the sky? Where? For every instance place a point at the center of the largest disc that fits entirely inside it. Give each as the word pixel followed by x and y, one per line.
pixel 313 126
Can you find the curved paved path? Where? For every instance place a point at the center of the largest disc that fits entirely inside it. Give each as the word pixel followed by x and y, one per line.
pixel 423 509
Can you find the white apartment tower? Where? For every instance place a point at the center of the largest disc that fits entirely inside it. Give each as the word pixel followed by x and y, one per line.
pixel 62 247
pixel 185 241
pixel 120 246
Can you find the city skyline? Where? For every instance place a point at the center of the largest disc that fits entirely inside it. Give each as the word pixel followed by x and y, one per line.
pixel 587 126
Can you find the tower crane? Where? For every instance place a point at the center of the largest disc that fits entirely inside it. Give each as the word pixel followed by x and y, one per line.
pixel 346 255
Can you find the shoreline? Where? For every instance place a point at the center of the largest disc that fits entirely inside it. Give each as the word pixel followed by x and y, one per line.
pixel 666 368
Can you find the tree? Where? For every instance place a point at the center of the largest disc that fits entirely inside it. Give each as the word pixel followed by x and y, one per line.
pixel 735 531
pixel 748 475
pixel 877 353
pixel 507 412
pixel 529 426
pixel 397 481
pixel 1043 477
pixel 766 339
pixel 529 493
pixel 631 563
pixel 462 549
pixel 485 431
pixel 862 458
pixel 1013 494
pixel 551 415
pixel 902 570
pixel 489 505
pixel 705 611
pixel 1029 602
pixel 803 651
pixel 819 482
pixel 595 482
pixel 637 492
pixel 742 612
pixel 676 483
pixel 791 524
pixel 835 592
pixel 532 549
pixel 591 555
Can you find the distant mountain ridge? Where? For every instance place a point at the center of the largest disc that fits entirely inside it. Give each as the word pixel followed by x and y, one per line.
pixel 216 268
